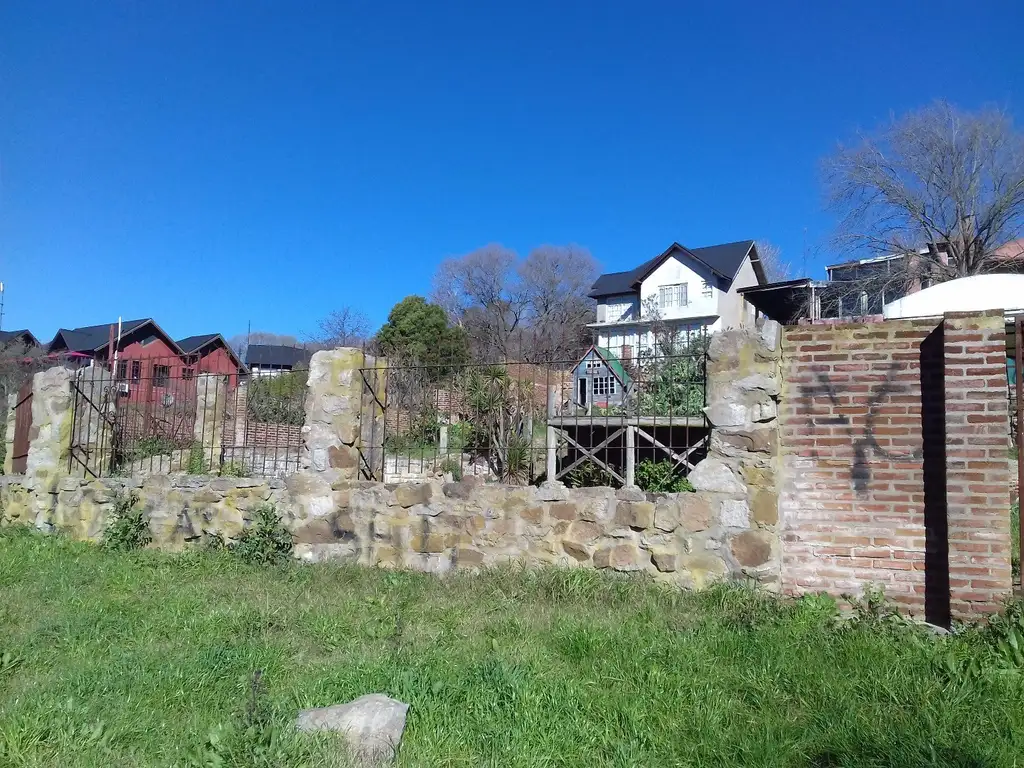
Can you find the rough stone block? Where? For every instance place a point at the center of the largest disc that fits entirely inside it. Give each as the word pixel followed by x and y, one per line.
pixel 410 494
pixel 703 569
pixel 469 557
pixel 583 532
pixel 734 513
pixel 619 557
pixel 715 475
pixel 764 504
pixel 727 414
pixel 666 514
pixel 751 548
pixel 665 561
pixel 694 512
pixel 533 515
pixel 577 552
pixel 635 514
pixel 563 510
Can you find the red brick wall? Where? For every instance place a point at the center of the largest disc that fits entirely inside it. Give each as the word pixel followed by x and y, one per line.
pixel 869 472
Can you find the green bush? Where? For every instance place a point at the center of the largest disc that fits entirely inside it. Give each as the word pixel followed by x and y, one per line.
pixel 127 528
pixel 196 460
pixel 266 541
pixel 452 467
pixel 590 475
pixel 278 399
pixel 660 477
pixel 233 469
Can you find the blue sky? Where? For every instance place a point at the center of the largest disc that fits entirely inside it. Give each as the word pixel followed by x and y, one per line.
pixel 214 163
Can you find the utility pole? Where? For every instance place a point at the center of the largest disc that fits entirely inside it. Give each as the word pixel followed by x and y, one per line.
pixel 1 306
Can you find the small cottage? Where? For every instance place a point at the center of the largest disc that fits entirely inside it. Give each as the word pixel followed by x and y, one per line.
pixel 600 380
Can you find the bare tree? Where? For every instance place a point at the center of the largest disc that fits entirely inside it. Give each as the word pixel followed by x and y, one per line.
pixel 343 327
pixel 532 309
pixel 942 187
pixel 775 268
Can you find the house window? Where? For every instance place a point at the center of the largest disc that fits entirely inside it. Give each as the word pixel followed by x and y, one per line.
pixel 593 365
pixel 706 290
pixel 187 373
pixel 672 296
pixel 604 385
pixel 122 370
pixel 161 375
pixel 136 370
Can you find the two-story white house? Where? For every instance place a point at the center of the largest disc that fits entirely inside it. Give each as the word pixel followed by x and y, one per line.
pixel 689 289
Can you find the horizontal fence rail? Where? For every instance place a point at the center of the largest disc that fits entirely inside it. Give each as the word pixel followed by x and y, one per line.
pixel 596 418
pixel 170 415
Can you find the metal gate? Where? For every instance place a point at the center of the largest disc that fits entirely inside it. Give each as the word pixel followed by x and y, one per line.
pixel 1018 376
pixel 22 425
pixel 94 411
pixel 372 424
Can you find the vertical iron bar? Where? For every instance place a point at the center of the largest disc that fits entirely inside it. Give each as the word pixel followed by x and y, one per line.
pixel 1019 381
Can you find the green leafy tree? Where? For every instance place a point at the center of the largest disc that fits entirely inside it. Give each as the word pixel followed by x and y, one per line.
pixel 417 333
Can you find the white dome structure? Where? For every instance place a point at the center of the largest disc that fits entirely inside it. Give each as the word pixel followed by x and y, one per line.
pixel 965 294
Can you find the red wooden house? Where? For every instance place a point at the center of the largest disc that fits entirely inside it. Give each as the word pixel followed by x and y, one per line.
pixel 209 353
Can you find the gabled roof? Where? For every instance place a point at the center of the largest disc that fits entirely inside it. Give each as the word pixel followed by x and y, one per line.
pixel 611 361
pixel 723 260
pixel 198 344
pixel 24 336
pixel 277 355
pixel 94 338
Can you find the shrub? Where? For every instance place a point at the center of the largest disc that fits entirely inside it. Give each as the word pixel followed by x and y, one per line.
pixel 266 541
pixel 196 460
pixel 660 477
pixel 278 399
pixel 589 475
pixel 452 467
pixel 233 469
pixel 127 528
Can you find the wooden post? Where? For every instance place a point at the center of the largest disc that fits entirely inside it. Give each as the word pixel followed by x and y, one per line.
pixel 549 443
pixel 630 456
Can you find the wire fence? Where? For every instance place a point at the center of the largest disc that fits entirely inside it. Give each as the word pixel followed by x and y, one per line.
pixel 164 415
pixel 594 418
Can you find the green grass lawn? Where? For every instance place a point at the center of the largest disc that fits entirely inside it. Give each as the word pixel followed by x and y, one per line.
pixel 133 659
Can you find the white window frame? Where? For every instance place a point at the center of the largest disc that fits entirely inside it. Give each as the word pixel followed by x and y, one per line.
pixel 675 295
pixel 707 290
pixel 604 385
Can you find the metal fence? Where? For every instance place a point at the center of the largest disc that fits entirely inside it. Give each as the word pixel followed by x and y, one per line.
pixel 595 418
pixel 162 415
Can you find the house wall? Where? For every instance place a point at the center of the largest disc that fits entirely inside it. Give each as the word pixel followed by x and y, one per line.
pixel 672 272
pixel 600 371
pixel 156 352
pixel 614 309
pixel 732 308
pixel 217 360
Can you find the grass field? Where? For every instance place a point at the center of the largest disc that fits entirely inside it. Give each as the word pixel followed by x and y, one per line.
pixel 136 659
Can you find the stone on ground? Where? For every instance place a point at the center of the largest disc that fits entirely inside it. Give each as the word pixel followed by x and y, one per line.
pixel 372 725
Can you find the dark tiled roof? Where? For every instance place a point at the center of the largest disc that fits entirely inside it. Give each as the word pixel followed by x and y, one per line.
pixel 90 338
pixel 24 336
pixel 192 343
pixel 276 355
pixel 724 260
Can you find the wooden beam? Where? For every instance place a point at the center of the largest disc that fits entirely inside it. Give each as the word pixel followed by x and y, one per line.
pixel 630 456
pixel 589 453
pixel 679 458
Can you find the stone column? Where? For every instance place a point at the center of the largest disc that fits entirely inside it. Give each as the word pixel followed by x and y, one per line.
pixel 50 435
pixel 333 434
pixel 211 401
pixel 743 387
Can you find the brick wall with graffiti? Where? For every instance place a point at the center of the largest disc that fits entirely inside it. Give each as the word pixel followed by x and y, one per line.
pixel 894 455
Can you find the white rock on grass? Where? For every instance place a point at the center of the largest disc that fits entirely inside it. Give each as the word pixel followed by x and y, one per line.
pixel 372 725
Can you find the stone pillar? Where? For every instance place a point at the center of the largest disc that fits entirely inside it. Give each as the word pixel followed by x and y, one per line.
pixel 977 426
pixel 211 401
pixel 743 386
pixel 50 435
pixel 12 400
pixel 343 433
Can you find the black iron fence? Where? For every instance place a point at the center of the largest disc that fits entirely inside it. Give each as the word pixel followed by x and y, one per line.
pixel 165 415
pixel 596 418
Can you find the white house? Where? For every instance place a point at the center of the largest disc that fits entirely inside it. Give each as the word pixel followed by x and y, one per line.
pixel 691 288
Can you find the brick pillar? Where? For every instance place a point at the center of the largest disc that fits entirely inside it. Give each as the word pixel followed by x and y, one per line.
pixel 977 429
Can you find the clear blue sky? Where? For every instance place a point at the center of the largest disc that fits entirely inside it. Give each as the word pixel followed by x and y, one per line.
pixel 211 163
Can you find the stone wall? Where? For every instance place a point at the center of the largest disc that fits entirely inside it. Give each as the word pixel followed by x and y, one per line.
pixel 687 539
pixel 894 457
